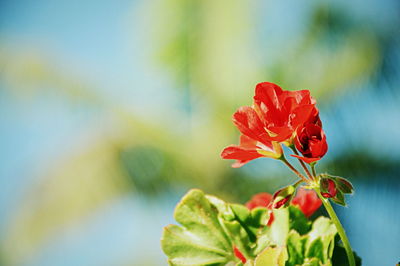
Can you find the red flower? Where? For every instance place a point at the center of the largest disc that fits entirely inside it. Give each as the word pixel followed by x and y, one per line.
pixel 307 201
pixel 262 199
pixel 274 118
pixel 311 142
pixel 281 112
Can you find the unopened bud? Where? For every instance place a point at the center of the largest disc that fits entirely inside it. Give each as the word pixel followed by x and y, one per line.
pixel 327 187
pixel 283 197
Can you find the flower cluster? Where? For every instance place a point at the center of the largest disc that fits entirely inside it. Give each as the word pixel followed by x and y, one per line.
pixel 215 232
pixel 278 116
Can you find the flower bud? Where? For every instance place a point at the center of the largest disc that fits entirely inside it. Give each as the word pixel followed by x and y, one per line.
pixel 311 142
pixel 327 187
pixel 282 197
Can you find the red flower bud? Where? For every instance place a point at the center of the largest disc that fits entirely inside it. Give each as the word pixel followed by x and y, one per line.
pixel 283 196
pixel 311 142
pixel 281 202
pixel 328 188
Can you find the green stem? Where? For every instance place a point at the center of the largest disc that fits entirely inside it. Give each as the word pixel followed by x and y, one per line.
pixel 313 170
pixel 291 167
pixel 302 163
pixel 339 227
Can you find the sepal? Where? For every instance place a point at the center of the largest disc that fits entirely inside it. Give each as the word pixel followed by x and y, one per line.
pixel 339 199
pixel 344 185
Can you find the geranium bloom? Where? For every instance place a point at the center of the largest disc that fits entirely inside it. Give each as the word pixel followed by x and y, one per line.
pixel 307 201
pixel 281 112
pixel 274 117
pixel 311 142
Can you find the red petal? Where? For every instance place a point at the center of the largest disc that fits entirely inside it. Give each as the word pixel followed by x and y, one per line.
pixel 262 199
pixel 318 149
pixel 307 201
pixel 247 142
pixel 239 254
pixel 271 218
pixel 282 133
pixel 250 125
pixel 242 154
pixel 268 93
pixel 268 101
pixel 301 115
pixel 239 163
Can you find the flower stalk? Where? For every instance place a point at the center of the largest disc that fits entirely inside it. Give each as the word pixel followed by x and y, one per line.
pixel 339 227
pixel 291 167
pixel 313 169
pixel 302 163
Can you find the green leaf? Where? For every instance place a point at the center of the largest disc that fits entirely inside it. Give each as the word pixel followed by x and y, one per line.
pixel 295 247
pixel 201 240
pixel 238 236
pixel 298 221
pixel 315 249
pixel 275 256
pixel 263 241
pixel 223 209
pixel 259 217
pixel 243 216
pixel 233 228
pixel 321 239
pixel 279 229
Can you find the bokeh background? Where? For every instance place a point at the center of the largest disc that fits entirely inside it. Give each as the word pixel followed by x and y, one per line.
pixel 111 110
